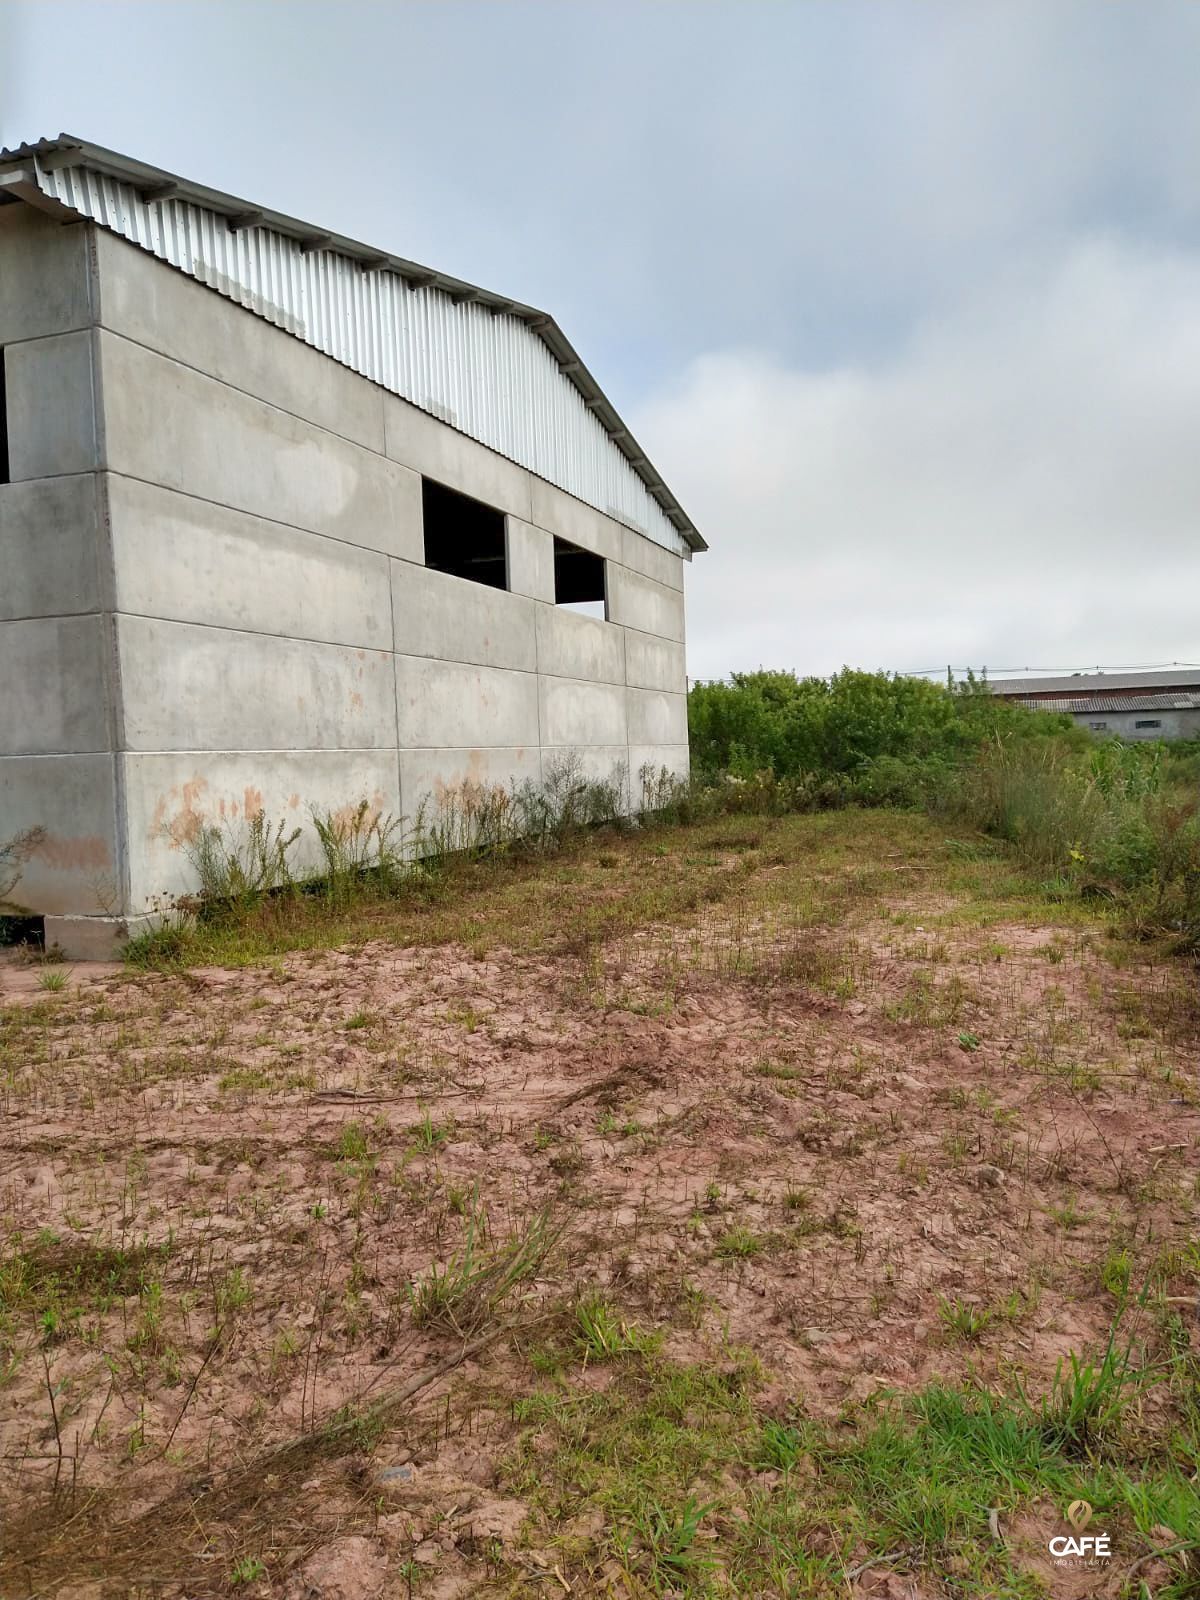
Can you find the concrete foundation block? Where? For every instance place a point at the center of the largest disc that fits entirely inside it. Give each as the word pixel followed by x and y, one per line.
pixel 95 938
pixel 570 645
pixel 188 560
pixel 438 615
pixel 51 407
pixel 451 705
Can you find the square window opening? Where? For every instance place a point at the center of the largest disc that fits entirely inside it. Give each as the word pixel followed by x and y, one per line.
pixel 463 536
pixel 4 472
pixel 579 580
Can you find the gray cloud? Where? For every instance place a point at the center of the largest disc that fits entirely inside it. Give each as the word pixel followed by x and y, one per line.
pixel 899 297
pixel 1018 485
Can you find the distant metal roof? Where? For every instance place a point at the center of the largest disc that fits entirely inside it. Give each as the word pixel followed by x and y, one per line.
pixel 1081 683
pixel 1165 701
pixel 403 325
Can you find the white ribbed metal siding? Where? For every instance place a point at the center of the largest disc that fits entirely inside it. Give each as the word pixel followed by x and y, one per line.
pixel 487 374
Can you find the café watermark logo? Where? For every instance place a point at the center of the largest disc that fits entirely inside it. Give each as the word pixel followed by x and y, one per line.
pixel 1079 1548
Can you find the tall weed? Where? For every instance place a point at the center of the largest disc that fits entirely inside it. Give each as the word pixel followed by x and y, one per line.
pixel 361 846
pixel 241 865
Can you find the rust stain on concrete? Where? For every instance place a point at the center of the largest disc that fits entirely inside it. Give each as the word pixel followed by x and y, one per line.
pixel 86 853
pixel 177 813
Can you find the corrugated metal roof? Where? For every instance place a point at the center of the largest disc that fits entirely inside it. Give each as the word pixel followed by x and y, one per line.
pixel 1099 682
pixel 496 369
pixel 1116 702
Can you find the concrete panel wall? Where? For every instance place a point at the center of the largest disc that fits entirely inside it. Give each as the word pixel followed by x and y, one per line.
pixel 530 553
pixel 51 406
pixel 77 866
pixel 56 713
pixel 428 777
pixel 449 704
pixel 50 547
pixel 574 711
pixel 647 761
pixel 170 425
pixel 656 718
pixel 596 763
pixel 171 313
pixel 570 519
pixel 641 603
pixel 53 670
pixel 420 441
pixel 45 284
pixel 218 601
pixel 188 560
pixel 570 645
pixel 1181 724
pixel 193 688
pixel 652 663
pixel 436 614
pixel 650 559
pixel 168 797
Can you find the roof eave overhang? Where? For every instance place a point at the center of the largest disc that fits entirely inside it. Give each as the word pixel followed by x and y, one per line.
pixel 18 180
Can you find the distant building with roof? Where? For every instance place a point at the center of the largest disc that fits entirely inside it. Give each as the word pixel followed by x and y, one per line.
pixel 1124 705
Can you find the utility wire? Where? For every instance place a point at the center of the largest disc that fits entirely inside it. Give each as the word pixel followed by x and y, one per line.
pixel 1136 666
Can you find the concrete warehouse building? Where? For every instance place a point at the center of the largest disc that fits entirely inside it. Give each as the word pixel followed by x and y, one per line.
pixel 1164 704
pixel 287 522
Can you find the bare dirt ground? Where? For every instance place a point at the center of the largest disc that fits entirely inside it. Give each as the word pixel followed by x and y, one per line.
pixel 481 1266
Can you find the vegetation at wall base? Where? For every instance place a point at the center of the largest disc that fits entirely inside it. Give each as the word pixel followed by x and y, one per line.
pixel 1107 822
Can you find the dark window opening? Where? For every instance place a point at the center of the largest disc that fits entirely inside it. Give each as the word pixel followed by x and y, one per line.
pixel 1147 722
pixel 4 478
pixel 578 579
pixel 463 536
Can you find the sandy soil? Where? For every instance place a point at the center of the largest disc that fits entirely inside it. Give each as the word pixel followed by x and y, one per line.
pixel 897 1117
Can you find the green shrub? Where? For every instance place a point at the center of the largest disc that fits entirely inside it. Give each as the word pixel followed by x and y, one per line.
pixel 858 724
pixel 1111 819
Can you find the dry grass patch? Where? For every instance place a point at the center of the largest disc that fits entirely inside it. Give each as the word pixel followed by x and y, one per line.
pixel 724 1210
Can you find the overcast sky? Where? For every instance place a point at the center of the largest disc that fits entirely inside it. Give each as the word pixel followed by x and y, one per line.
pixel 903 300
